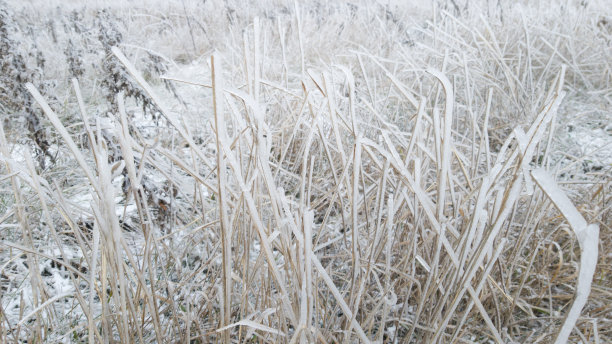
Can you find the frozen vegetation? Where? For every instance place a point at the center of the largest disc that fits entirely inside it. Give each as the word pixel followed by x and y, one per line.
pixel 358 171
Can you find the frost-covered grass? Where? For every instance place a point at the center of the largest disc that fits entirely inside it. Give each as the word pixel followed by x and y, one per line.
pixel 342 171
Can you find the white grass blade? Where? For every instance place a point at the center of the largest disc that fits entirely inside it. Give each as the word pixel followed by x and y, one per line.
pixel 588 238
pixel 254 325
pixel 64 133
pixel 338 296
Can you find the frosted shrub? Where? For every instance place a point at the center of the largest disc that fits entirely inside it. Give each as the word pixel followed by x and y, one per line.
pixel 16 102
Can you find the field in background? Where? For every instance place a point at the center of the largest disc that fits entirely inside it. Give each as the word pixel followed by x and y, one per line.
pixel 328 171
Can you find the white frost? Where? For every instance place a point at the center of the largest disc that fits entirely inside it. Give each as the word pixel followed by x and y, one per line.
pixel 588 237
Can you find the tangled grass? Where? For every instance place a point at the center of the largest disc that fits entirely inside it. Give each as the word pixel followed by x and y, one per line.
pixel 338 172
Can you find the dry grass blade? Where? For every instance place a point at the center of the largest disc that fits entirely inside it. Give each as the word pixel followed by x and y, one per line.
pixel 226 231
pixel 588 238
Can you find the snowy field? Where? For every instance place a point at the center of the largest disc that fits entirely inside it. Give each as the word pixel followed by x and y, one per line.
pixel 229 171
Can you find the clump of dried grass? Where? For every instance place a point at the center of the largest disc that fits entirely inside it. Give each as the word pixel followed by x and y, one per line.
pixel 371 199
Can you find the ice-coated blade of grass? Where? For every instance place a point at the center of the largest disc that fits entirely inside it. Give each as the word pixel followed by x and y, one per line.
pixel 64 133
pixel 397 84
pixel 588 238
pixel 356 254
pixel 167 115
pixel 307 301
pixel 254 325
pixel 446 140
pixel 125 142
pixel 40 307
pixel 226 231
pixel 338 296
